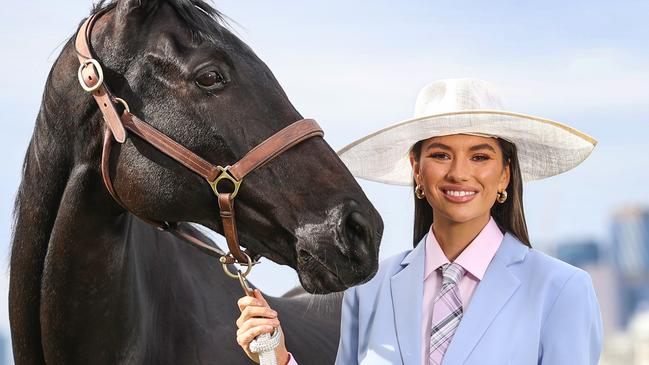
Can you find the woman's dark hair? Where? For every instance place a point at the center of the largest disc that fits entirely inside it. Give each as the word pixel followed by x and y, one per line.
pixel 509 215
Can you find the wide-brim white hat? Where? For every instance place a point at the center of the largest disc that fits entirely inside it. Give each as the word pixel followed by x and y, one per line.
pixel 466 106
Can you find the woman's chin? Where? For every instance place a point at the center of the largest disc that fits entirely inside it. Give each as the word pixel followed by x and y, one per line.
pixel 463 216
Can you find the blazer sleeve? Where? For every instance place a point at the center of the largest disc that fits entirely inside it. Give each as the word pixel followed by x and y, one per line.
pixel 572 331
pixel 348 345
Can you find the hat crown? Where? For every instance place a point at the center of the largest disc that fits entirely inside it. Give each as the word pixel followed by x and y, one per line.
pixel 456 95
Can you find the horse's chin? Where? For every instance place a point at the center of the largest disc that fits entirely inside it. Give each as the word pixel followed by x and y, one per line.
pixel 318 279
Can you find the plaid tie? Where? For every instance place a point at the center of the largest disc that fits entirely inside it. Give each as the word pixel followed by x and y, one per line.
pixel 447 312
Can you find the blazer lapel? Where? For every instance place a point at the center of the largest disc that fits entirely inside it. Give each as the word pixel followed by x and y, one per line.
pixel 407 289
pixel 493 292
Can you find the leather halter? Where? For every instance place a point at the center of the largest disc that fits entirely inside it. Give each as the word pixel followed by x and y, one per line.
pixel 92 80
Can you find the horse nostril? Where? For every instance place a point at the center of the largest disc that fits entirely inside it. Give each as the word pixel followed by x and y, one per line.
pixel 357 232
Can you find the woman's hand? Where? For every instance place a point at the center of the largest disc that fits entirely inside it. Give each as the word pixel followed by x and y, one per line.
pixel 257 318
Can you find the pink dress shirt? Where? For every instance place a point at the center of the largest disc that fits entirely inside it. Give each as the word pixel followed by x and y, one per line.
pixel 474 259
pixel 291 360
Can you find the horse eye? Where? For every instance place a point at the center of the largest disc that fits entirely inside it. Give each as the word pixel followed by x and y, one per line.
pixel 209 79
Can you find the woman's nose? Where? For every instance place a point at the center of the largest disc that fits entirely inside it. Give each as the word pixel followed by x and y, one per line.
pixel 459 170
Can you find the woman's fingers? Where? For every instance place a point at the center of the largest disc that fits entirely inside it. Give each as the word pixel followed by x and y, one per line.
pixel 247 301
pixel 257 322
pixel 255 312
pixel 260 297
pixel 257 300
pixel 245 337
pixel 256 318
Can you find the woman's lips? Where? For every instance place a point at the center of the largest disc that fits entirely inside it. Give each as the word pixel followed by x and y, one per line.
pixel 459 196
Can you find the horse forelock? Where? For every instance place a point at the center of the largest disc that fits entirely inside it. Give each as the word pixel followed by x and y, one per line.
pixel 202 20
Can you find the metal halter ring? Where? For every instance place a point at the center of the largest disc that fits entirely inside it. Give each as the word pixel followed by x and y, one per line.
pixel 100 73
pixel 124 104
pixel 236 276
pixel 225 175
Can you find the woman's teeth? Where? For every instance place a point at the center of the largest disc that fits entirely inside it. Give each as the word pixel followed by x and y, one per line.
pixel 458 193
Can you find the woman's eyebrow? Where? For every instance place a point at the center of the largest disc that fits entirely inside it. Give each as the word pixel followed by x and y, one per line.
pixel 483 146
pixel 438 145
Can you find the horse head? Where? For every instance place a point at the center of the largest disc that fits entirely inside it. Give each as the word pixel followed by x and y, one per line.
pixel 185 73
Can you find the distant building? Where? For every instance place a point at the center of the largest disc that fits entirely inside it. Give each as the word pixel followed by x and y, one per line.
pixel 630 230
pixel 579 253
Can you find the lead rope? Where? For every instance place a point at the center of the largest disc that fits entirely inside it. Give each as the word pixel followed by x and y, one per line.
pixel 265 344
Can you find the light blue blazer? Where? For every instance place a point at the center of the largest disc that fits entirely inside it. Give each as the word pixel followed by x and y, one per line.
pixel 529 308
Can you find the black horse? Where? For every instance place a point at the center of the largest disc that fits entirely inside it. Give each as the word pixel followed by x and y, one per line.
pixel 92 284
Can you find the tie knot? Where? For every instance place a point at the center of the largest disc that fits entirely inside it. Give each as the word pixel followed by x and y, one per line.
pixel 451 273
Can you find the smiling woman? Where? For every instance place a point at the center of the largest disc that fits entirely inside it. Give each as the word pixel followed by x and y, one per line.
pixel 509 213
pixel 472 291
pixel 461 176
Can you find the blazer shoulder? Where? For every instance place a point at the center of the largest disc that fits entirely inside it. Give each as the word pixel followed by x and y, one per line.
pixel 532 265
pixel 553 276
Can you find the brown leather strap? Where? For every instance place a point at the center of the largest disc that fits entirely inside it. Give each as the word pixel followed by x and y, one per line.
pixel 226 207
pixel 211 250
pixel 105 165
pixel 275 145
pixel 105 175
pixel 90 76
pixel 169 147
pixel 257 157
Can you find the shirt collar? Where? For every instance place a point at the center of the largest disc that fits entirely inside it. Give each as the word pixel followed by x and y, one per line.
pixel 476 256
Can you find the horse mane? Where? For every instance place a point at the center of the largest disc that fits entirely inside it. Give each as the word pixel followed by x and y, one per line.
pixel 202 19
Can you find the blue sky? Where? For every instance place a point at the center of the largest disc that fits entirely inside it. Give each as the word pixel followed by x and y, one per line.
pixel 357 66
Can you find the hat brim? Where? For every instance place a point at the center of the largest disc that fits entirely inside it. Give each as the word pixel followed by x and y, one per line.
pixel 545 147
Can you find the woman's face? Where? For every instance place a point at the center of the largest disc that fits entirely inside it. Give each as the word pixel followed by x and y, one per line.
pixel 461 176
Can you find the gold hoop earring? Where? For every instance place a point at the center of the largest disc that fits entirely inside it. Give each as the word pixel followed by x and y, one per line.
pixel 419 192
pixel 502 196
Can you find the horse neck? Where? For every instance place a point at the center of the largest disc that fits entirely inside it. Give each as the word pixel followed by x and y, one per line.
pixel 64 252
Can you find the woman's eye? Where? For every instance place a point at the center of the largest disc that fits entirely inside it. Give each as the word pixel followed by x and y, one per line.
pixel 209 79
pixel 439 155
pixel 480 158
